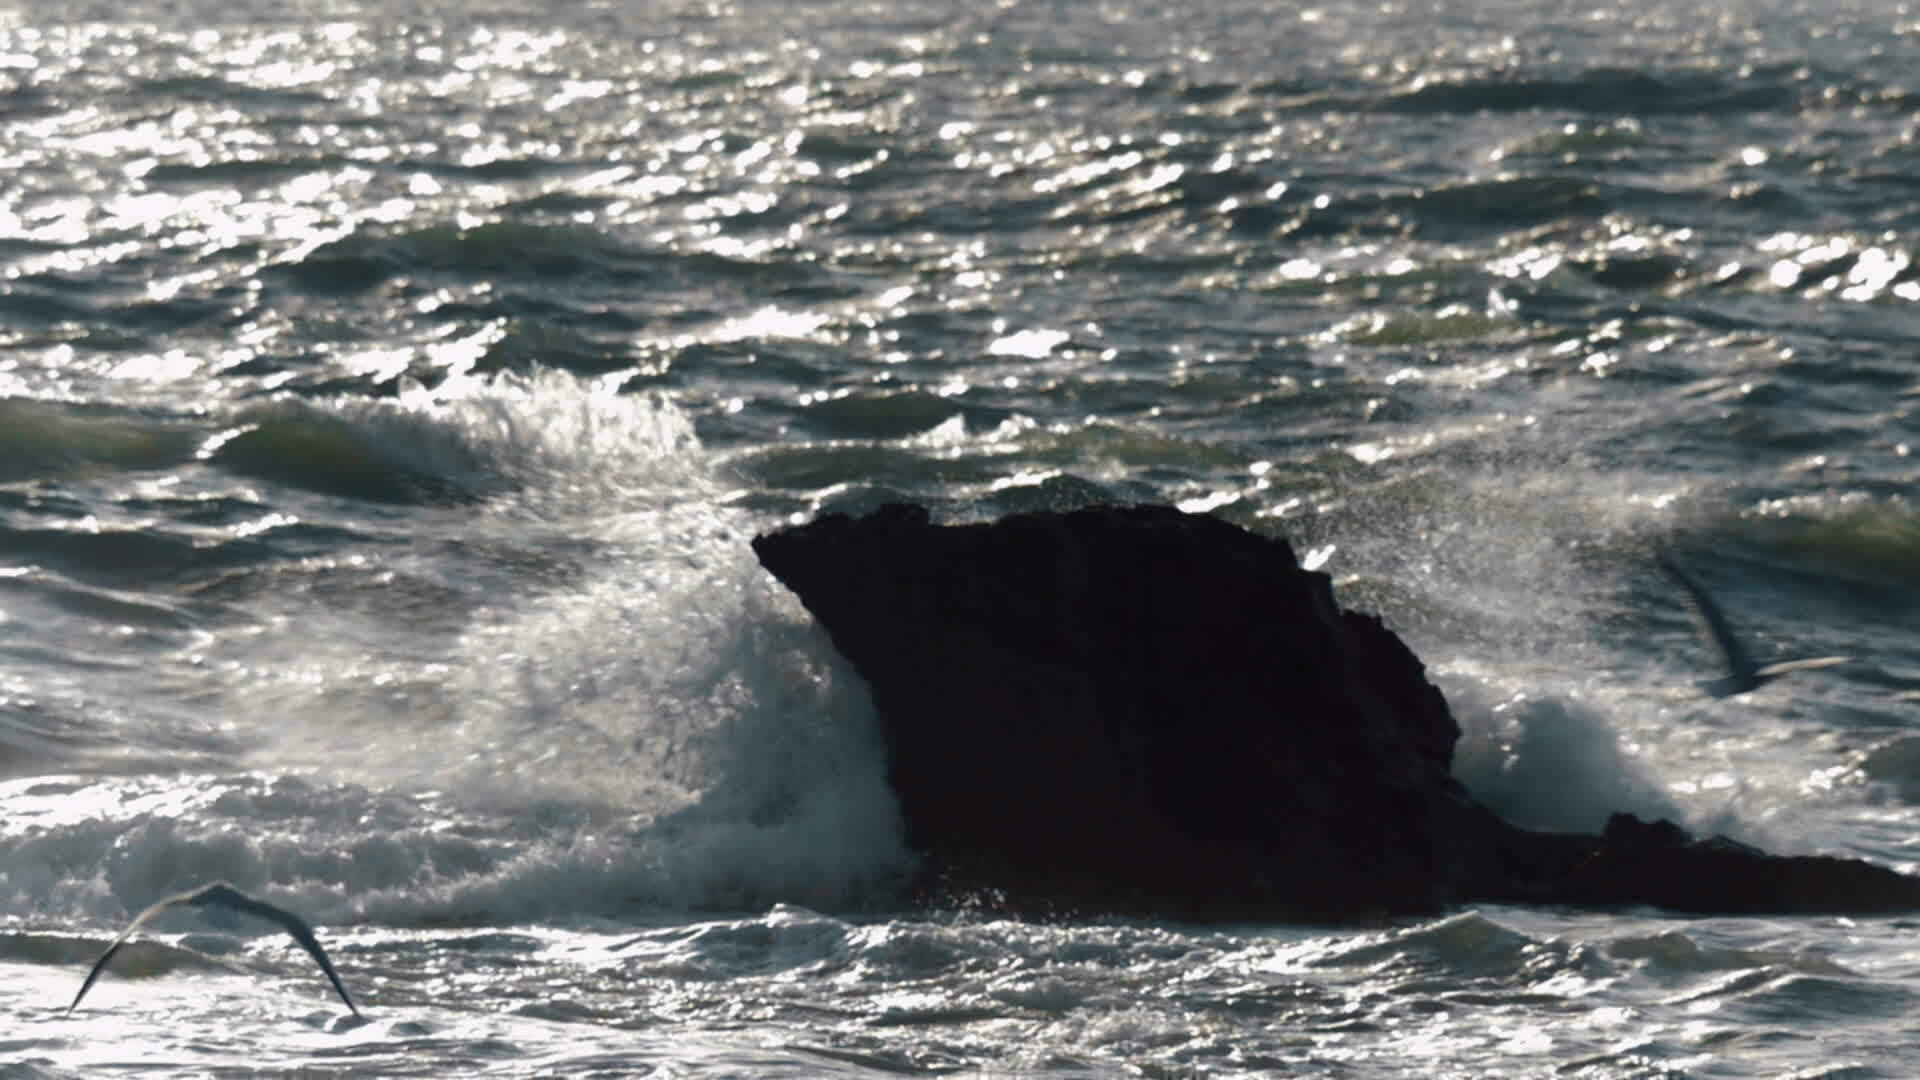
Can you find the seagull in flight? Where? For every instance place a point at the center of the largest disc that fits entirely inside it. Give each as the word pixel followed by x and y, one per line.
pixel 1742 673
pixel 222 895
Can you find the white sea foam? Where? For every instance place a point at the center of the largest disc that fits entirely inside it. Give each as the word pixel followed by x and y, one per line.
pixel 1548 762
pixel 656 723
pixel 539 442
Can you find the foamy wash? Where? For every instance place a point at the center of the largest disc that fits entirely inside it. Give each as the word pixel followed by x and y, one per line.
pixel 388 398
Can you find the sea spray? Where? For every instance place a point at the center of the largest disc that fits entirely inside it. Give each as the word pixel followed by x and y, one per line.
pixel 647 721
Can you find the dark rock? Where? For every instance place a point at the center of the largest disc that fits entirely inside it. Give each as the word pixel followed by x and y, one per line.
pixel 1661 865
pixel 1138 710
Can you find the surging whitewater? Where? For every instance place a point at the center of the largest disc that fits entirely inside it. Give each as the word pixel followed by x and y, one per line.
pixel 581 697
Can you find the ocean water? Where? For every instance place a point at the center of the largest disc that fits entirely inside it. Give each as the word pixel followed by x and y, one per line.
pixel 388 393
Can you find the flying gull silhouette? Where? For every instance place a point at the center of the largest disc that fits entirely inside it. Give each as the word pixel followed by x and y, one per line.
pixel 1742 673
pixel 220 894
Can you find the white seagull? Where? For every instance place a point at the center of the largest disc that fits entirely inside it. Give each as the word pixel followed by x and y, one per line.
pixel 1742 673
pixel 221 894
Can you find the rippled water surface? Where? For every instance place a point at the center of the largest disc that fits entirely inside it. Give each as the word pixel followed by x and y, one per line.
pixel 388 394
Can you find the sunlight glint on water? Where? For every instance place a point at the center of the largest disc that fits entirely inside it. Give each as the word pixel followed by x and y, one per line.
pixel 387 400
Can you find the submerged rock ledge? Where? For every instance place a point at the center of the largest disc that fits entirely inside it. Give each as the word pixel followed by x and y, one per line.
pixel 1135 710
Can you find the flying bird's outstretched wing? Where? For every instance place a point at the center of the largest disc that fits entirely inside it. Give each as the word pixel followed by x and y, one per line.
pixel 221 894
pixel 1742 673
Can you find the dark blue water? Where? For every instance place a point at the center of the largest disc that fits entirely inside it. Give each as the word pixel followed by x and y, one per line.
pixel 387 395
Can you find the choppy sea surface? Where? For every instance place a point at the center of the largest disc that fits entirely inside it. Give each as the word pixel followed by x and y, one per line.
pixel 388 393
